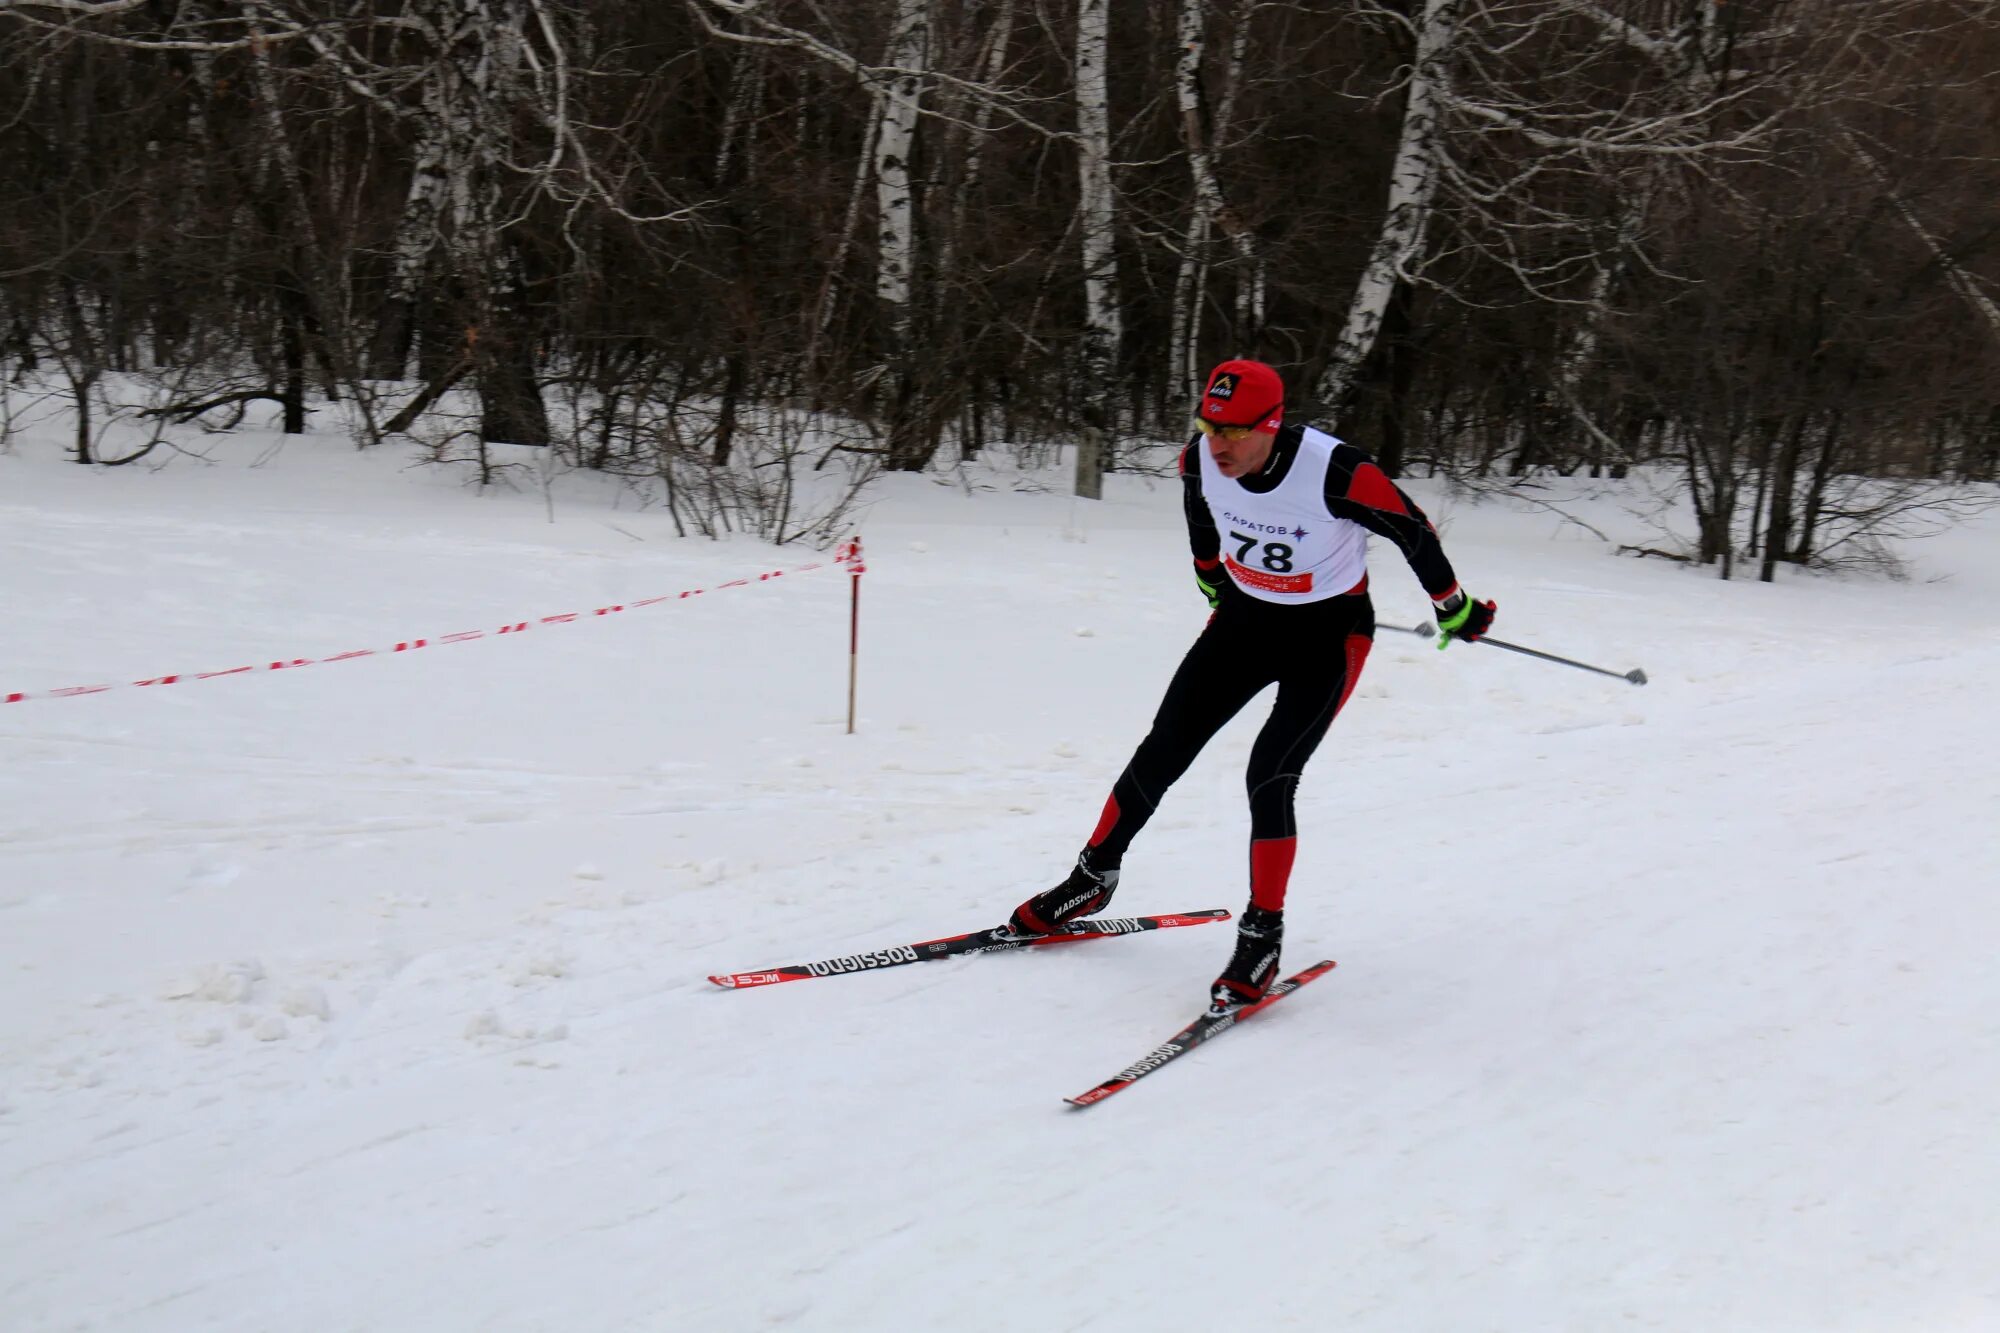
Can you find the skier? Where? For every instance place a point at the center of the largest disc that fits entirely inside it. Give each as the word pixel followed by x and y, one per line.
pixel 1278 517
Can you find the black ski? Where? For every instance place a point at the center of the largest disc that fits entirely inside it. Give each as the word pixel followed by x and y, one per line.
pixel 1194 1034
pixel 990 940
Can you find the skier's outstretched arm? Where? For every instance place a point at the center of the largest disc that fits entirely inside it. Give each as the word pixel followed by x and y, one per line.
pixel 1357 489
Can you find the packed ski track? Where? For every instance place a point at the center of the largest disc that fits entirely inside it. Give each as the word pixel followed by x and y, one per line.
pixel 372 995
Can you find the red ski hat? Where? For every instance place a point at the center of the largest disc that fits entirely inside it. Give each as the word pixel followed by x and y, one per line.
pixel 1243 393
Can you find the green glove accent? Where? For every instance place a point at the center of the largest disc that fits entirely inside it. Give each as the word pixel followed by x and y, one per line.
pixel 1212 591
pixel 1468 620
pixel 1456 620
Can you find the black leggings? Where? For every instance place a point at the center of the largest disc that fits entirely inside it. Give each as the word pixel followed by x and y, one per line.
pixel 1313 653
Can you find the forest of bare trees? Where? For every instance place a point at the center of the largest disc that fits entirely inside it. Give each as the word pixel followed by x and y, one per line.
pixel 1753 245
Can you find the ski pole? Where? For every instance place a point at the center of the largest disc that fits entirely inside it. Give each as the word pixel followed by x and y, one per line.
pixel 1635 675
pixel 856 567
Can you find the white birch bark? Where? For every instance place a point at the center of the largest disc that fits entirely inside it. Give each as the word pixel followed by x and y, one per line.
pixel 1691 63
pixel 278 137
pixel 480 67
pixel 1190 295
pixel 1097 218
pixel 999 39
pixel 746 98
pixel 417 231
pixel 1413 183
pixel 486 54
pixel 1211 211
pixel 1954 272
pixel 864 174
pixel 1252 271
pixel 1097 205
pixel 1191 285
pixel 902 101
pixel 462 77
pixel 1580 352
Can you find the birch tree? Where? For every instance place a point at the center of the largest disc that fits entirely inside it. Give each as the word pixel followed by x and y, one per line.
pixel 1955 274
pixel 863 175
pixel 907 373
pixel 418 229
pixel 901 97
pixel 1096 224
pixel 959 321
pixel 1202 132
pixel 1413 182
pixel 1523 233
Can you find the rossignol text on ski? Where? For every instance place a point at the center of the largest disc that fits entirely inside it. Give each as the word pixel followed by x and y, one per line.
pixel 991 940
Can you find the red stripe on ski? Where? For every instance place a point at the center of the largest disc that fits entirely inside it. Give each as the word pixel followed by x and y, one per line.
pixel 958 946
pixel 743 980
pixel 1193 1035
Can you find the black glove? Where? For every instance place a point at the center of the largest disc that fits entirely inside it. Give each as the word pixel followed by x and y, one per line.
pixel 1464 619
pixel 1212 583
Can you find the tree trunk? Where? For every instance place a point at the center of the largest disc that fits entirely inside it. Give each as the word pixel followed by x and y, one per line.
pixel 26 362
pixel 1190 296
pixel 971 147
pixel 734 374
pixel 1982 459
pixel 80 387
pixel 511 407
pixel 830 284
pixel 917 416
pixel 1823 469
pixel 1102 322
pixel 911 438
pixel 416 232
pixel 1412 185
pixel 1714 461
pixel 302 298
pixel 293 335
pixel 975 422
pixel 1090 463
pixel 895 220
pixel 1211 211
pixel 1190 288
pixel 1399 352
pixel 1784 479
pixel 434 389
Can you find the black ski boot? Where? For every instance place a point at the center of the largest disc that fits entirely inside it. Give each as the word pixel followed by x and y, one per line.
pixel 1254 966
pixel 1085 893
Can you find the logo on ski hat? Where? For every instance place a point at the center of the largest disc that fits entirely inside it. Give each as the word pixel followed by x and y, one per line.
pixel 1243 393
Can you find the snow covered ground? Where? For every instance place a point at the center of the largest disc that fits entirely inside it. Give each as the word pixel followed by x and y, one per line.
pixel 370 996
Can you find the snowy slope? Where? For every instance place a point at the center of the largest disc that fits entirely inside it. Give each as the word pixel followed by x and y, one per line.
pixel 369 996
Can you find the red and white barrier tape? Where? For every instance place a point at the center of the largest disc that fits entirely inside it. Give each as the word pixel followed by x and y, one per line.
pixel 848 553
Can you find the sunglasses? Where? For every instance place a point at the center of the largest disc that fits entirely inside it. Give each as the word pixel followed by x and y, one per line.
pixel 1230 433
